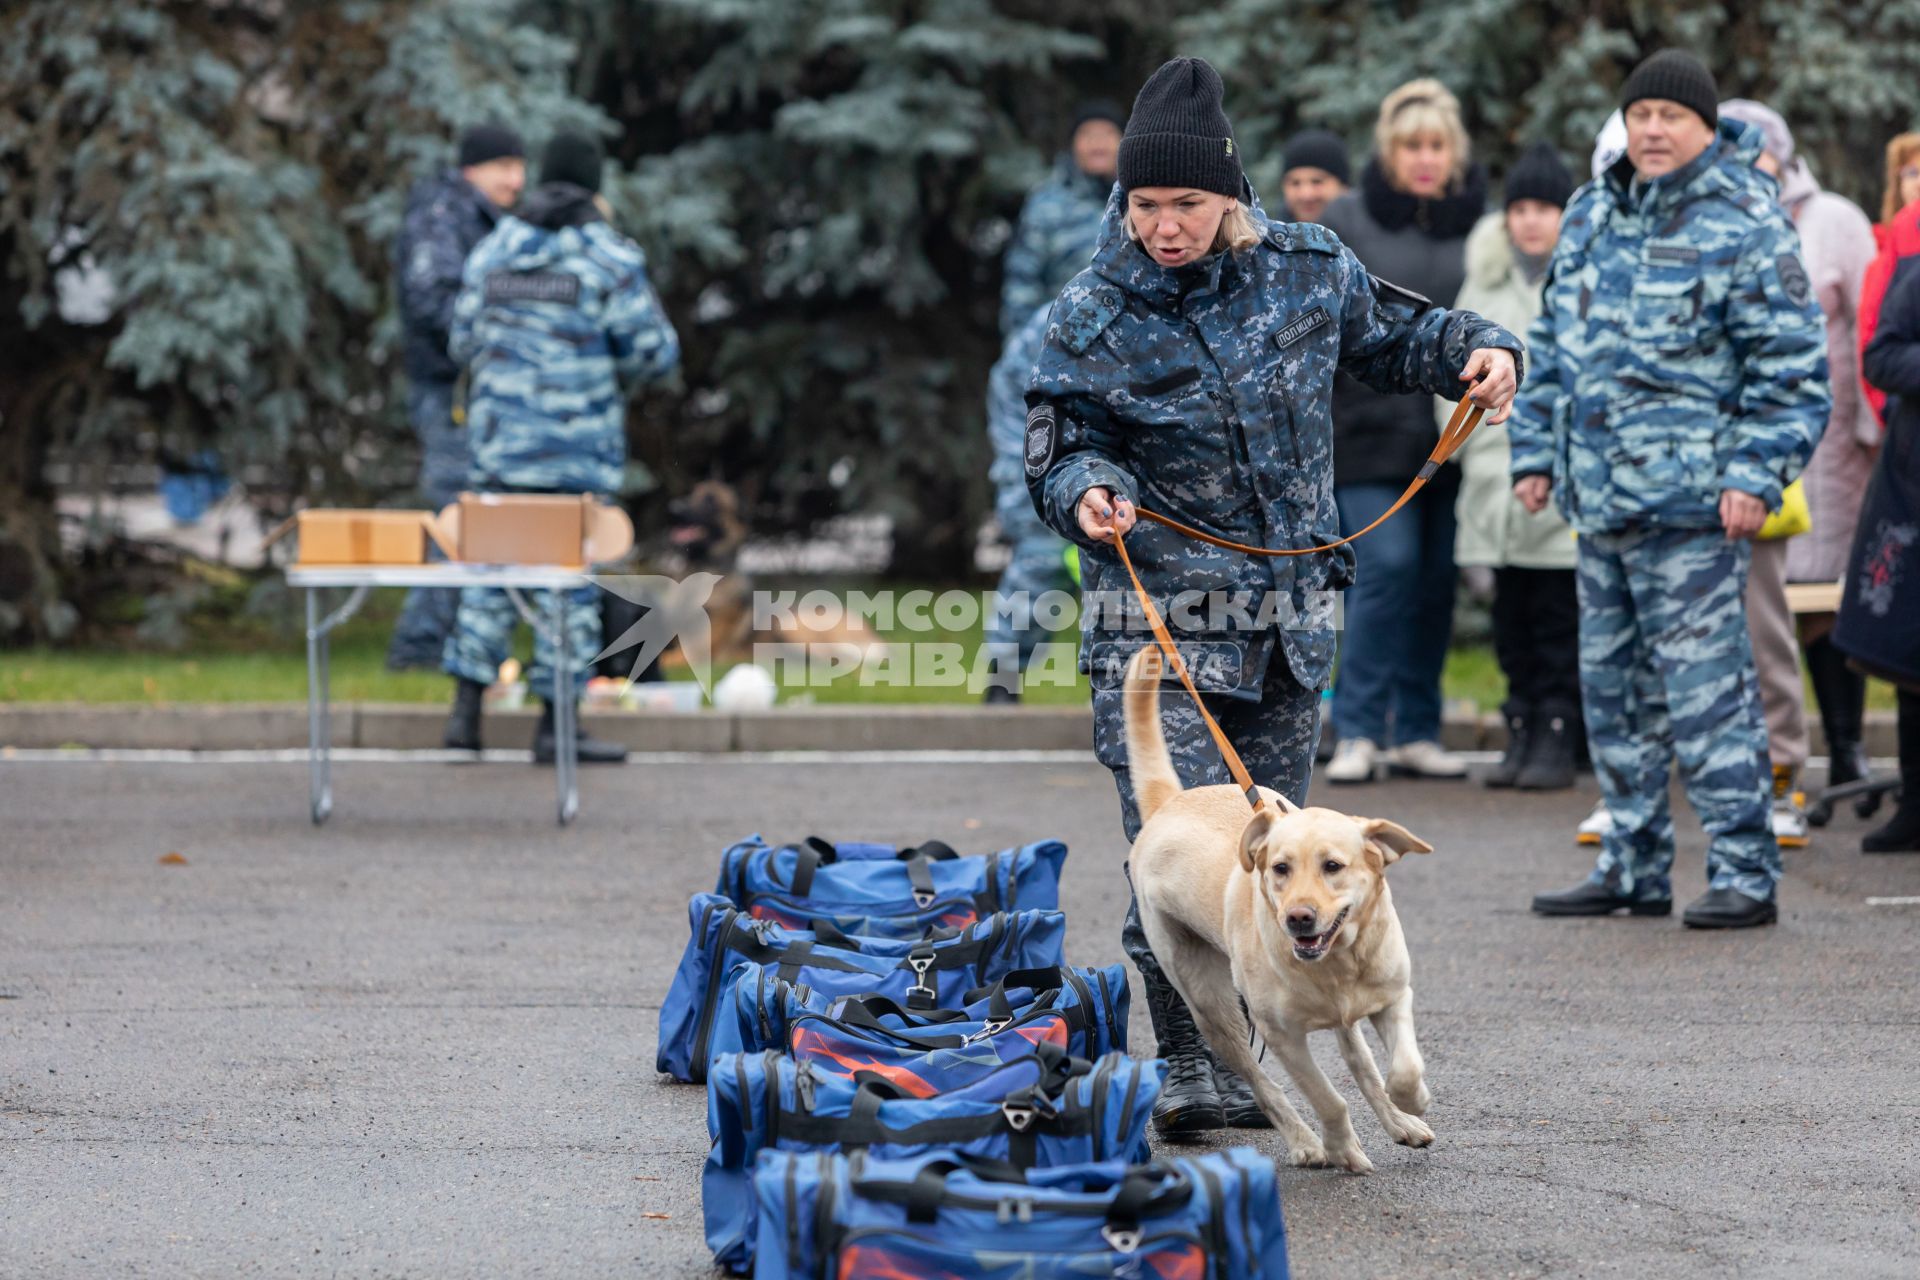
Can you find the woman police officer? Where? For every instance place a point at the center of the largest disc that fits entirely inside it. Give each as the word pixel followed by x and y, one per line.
pixel 1190 368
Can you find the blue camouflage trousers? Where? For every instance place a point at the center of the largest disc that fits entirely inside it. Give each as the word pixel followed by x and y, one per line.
pixel 482 637
pixel 1274 736
pixel 426 619
pixel 1666 671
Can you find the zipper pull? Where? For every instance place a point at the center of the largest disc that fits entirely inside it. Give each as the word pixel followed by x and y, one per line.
pixel 803 1085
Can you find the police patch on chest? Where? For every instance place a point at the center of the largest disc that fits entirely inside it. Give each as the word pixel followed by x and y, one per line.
pixel 1042 439
pixel 533 286
pixel 1301 326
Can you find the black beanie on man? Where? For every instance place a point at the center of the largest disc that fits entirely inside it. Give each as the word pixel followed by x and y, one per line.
pixel 1099 109
pixel 573 158
pixel 1318 149
pixel 1677 77
pixel 484 142
pixel 1539 174
pixel 1178 135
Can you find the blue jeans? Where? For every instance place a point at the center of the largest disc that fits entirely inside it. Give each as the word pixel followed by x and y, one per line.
pixel 426 619
pixel 1399 615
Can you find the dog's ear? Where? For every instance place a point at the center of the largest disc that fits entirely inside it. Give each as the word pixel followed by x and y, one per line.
pixel 1253 840
pixel 1390 840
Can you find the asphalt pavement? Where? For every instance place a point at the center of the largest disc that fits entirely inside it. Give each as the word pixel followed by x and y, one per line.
pixel 419 1041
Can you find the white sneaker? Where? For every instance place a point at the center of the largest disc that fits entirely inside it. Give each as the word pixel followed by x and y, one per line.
pixel 1594 827
pixel 1354 760
pixel 1426 759
pixel 1789 811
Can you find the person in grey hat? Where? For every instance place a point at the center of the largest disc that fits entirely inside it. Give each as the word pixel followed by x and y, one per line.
pixel 1837 242
pixel 1190 370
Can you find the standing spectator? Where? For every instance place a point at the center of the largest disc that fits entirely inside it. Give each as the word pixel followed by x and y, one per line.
pixel 1419 196
pixel 1316 172
pixel 1837 243
pixel 1901 192
pixel 1678 384
pixel 1061 219
pixel 1536 618
pixel 556 322
pixel 1038 564
pixel 447 214
pixel 1879 624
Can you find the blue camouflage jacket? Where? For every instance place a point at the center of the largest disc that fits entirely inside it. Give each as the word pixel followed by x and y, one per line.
pixel 1204 393
pixel 1680 351
pixel 1059 225
pixel 446 216
pixel 1007 424
pixel 557 321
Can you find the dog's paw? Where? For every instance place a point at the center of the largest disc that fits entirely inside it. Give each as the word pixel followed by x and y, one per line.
pixel 1351 1158
pixel 1410 1131
pixel 1307 1155
pixel 1411 1095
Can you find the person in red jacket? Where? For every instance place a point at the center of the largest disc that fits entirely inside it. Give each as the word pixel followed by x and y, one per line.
pixel 1898 238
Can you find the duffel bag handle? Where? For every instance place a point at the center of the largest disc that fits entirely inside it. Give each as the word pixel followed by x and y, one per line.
pixel 816 851
pixel 866 1011
pixel 929 1186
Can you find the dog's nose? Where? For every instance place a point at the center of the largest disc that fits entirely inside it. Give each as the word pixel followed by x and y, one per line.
pixel 1301 920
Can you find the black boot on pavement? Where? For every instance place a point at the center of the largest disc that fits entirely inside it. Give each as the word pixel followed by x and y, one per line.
pixel 1841 695
pixel 1590 899
pixel 1550 753
pixel 463 726
pixel 1519 736
pixel 590 750
pixel 1728 909
pixel 1188 1102
pixel 1902 835
pixel 1237 1103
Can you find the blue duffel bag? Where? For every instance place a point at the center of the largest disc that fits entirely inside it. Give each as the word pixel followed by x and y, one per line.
pixel 1041 1110
pixel 879 891
pixel 860 1217
pixel 1083 1011
pixel 929 973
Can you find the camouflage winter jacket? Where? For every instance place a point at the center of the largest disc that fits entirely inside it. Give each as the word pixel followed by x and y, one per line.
pixel 446 216
pixel 1679 351
pixel 1007 425
pixel 1054 239
pixel 557 322
pixel 1204 393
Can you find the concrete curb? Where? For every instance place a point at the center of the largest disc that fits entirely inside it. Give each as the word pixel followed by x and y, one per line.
pixel 417 726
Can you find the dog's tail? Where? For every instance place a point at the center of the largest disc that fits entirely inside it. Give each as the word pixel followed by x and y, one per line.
pixel 1154 781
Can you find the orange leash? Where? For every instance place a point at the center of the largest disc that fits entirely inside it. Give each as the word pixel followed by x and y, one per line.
pixel 1465 418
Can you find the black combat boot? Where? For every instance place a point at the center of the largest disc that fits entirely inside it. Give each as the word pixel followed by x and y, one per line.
pixel 1519 735
pixel 1902 835
pixel 1550 751
pixel 1237 1103
pixel 463 726
pixel 1188 1102
pixel 591 750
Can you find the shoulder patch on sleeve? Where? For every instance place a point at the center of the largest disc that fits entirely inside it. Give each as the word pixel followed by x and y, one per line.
pixel 1089 317
pixel 1308 237
pixel 1793 278
pixel 1043 439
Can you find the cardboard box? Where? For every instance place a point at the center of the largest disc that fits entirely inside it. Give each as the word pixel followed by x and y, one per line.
pixel 532 528
pixel 347 536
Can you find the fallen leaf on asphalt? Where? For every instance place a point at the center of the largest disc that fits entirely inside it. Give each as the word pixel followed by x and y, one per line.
pixel 172 860
pixel 643 1178
pixel 664 1217
pixel 971 824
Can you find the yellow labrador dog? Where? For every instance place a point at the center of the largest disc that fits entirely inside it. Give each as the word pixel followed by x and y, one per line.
pixel 1291 912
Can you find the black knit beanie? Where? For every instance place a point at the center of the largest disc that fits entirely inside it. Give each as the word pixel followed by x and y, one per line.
pixel 1678 77
pixel 573 158
pixel 1318 149
pixel 484 142
pixel 1178 135
pixel 1099 109
pixel 1539 174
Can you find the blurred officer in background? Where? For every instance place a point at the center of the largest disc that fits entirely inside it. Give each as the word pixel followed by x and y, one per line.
pixel 447 214
pixel 1061 219
pixel 556 323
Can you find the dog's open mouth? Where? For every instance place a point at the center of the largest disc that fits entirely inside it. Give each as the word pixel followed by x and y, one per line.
pixel 1314 946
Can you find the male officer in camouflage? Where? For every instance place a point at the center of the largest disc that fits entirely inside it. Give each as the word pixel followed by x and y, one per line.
pixel 1190 369
pixel 1679 383
pixel 557 323
pixel 1055 235
pixel 447 214
pixel 1038 563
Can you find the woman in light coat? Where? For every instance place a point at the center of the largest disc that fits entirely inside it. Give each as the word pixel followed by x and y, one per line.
pixel 1536 618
